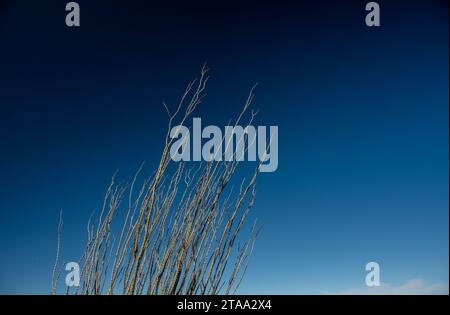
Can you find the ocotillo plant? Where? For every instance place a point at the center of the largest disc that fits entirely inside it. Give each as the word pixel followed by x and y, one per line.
pixel 180 229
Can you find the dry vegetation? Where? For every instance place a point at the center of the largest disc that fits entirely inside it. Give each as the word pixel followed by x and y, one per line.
pixel 180 229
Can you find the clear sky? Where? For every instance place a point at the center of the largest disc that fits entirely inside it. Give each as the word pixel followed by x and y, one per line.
pixel 362 115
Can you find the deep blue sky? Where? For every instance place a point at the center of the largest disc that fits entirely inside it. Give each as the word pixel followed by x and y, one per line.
pixel 362 115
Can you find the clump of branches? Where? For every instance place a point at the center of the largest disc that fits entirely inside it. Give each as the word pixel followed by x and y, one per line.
pixel 180 229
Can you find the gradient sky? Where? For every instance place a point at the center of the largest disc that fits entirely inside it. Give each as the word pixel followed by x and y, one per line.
pixel 362 115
